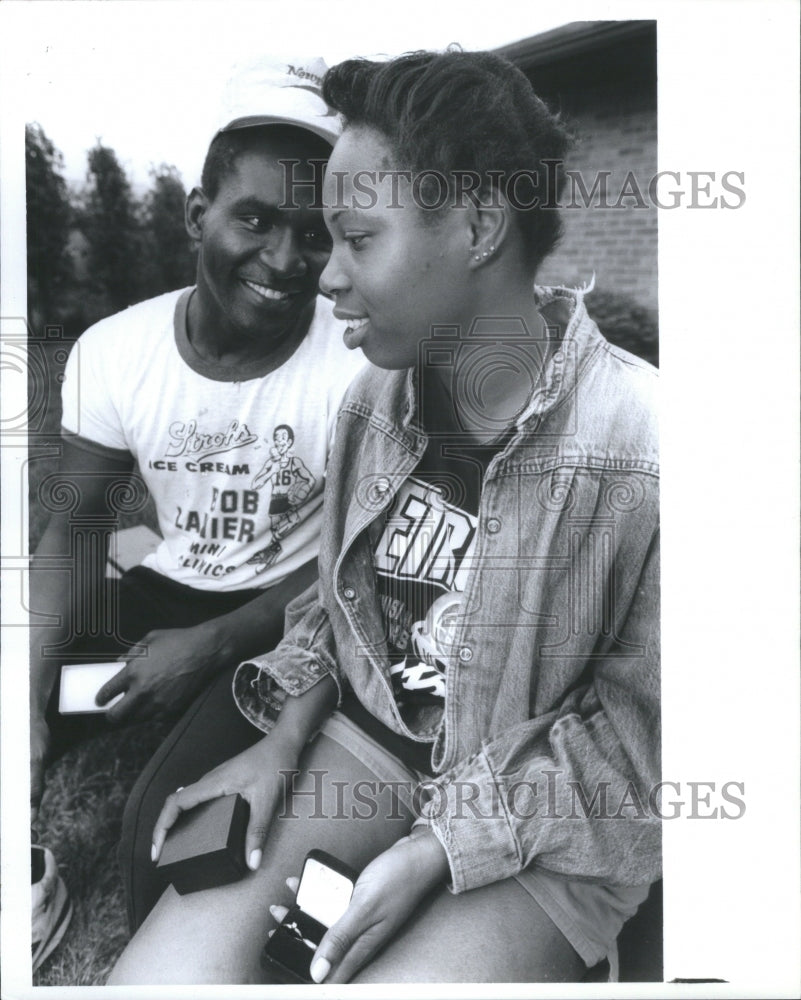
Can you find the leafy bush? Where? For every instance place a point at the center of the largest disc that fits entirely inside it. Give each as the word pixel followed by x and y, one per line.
pixel 626 323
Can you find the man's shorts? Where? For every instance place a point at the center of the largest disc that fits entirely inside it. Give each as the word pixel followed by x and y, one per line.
pixel 589 915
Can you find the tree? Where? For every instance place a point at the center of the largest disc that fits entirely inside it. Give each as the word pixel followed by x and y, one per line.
pixel 172 262
pixel 111 226
pixel 49 218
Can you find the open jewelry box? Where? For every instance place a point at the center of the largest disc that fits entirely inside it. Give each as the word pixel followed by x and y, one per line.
pixel 326 886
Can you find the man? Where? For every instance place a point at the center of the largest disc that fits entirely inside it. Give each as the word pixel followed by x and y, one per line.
pixel 185 386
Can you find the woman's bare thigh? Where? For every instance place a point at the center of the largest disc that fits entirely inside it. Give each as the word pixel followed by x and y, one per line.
pixel 216 935
pixel 495 934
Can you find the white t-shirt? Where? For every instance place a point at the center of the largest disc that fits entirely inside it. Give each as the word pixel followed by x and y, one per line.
pixel 235 461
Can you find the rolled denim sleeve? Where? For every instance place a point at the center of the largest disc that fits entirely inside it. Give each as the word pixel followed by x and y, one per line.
pixel 570 792
pixel 303 657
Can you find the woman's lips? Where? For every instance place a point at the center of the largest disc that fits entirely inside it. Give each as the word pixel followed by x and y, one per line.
pixel 355 331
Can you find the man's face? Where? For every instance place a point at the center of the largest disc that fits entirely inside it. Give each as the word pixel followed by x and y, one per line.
pixel 282 442
pixel 259 263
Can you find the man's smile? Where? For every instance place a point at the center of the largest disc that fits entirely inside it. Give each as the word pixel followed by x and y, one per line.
pixel 268 292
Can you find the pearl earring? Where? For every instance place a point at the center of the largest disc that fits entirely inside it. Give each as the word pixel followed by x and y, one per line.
pixel 483 254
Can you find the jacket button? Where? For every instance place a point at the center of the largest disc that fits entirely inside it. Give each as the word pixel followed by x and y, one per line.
pixel 493 525
pixel 349 593
pixel 465 654
pixel 382 485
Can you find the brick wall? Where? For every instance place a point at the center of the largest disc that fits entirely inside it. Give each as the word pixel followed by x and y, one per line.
pixel 616 125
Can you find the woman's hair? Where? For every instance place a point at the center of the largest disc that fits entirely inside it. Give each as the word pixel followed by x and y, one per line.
pixel 463 112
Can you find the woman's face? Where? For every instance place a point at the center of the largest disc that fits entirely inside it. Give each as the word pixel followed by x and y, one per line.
pixel 393 273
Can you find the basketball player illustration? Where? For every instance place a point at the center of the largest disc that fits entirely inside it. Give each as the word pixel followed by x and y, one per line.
pixel 291 483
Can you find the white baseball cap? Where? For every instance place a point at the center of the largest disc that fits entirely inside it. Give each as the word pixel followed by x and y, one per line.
pixel 289 92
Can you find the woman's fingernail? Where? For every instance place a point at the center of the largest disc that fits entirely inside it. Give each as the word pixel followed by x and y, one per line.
pixel 254 860
pixel 153 852
pixel 320 968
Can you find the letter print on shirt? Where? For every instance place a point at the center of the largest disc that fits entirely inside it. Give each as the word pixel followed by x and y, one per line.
pixel 219 516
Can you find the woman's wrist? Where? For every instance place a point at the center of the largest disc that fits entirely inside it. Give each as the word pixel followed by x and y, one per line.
pixel 433 860
pixel 285 745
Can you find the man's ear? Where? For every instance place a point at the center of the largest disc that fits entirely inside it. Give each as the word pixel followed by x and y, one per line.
pixel 194 211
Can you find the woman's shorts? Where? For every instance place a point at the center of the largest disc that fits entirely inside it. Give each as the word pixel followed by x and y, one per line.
pixel 588 914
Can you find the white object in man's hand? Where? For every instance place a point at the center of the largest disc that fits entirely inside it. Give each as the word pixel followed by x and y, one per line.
pixel 80 683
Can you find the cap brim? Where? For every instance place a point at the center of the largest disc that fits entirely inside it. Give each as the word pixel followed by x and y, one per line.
pixel 316 128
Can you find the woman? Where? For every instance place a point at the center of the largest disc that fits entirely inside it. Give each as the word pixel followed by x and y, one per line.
pixel 486 617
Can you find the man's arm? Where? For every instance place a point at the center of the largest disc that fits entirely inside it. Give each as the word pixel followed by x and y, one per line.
pixel 168 667
pixel 63 581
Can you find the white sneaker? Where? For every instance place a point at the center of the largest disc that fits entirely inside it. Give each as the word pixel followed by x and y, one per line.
pixel 51 907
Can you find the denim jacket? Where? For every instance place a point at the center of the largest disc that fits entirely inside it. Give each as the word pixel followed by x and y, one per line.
pixel 549 746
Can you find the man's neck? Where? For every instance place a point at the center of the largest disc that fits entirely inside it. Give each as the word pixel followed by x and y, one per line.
pixel 214 339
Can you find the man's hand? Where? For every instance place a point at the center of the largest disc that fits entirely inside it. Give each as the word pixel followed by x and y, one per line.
pixel 162 674
pixel 255 775
pixel 40 749
pixel 386 895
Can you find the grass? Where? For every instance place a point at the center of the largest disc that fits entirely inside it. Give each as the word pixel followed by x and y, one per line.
pixel 86 789
pixel 80 821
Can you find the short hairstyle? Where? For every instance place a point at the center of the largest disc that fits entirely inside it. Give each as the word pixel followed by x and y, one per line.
pixel 461 111
pixel 289 432
pixel 226 148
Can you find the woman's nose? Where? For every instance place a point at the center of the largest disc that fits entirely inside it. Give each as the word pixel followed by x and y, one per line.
pixel 333 280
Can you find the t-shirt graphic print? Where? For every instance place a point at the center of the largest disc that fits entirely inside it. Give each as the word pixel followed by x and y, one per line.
pixel 422 559
pixel 289 483
pixel 234 459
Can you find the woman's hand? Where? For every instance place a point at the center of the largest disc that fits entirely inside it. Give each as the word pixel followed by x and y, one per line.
pixel 387 893
pixel 255 775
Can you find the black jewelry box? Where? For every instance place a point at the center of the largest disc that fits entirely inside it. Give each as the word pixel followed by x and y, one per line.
pixel 325 885
pixel 206 846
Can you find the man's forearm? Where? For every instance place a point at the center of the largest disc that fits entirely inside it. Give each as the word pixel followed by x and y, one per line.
pixel 258 625
pixel 53 600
